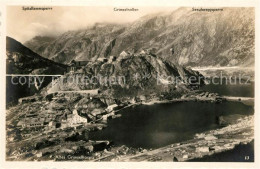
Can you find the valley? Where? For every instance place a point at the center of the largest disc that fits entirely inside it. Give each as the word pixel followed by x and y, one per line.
pixel 171 86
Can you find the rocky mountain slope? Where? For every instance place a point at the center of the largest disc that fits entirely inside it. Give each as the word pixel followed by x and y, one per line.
pixel 21 60
pixel 39 43
pixel 130 75
pixel 223 38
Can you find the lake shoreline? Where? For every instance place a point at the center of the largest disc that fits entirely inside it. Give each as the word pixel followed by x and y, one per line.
pixel 244 100
pixel 108 153
pixel 204 144
pixel 209 150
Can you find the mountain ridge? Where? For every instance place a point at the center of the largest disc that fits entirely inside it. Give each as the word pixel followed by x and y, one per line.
pixel 224 38
pixel 22 60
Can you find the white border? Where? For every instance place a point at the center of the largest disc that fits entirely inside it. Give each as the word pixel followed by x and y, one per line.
pixel 128 3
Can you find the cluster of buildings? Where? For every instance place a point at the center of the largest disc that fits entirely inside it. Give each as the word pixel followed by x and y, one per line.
pixel 75 65
pixel 55 115
pixel 47 116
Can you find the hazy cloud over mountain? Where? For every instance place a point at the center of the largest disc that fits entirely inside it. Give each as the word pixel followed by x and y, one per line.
pixel 62 19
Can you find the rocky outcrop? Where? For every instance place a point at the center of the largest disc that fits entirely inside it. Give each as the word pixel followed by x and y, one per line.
pixel 130 75
pixel 227 120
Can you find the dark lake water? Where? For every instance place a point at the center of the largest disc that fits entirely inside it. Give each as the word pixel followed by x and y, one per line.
pixel 153 126
pixel 229 88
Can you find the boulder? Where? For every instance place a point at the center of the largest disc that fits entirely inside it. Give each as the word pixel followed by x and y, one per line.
pixel 210 137
pixel 202 149
pixel 89 148
pixel 39 154
pixel 202 135
pixel 185 156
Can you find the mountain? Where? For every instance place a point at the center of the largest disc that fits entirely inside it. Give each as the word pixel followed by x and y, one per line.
pixel 82 44
pixel 39 43
pixel 130 75
pixel 223 38
pixel 22 60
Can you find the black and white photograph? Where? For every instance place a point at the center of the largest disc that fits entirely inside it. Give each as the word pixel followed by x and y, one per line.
pixel 129 84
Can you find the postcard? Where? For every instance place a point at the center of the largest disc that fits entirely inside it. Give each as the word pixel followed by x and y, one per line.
pixel 97 83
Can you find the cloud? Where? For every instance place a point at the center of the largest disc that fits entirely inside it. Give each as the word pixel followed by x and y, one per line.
pixel 24 25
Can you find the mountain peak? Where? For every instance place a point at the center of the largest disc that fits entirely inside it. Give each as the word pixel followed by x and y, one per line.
pixel 199 38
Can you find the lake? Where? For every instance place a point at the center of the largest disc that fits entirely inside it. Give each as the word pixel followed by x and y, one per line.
pixel 153 126
pixel 230 89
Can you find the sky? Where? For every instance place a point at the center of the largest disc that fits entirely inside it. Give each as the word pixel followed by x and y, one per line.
pixel 24 25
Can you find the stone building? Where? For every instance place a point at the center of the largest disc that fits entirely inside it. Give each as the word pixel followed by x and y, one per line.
pixel 76 64
pixel 75 119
